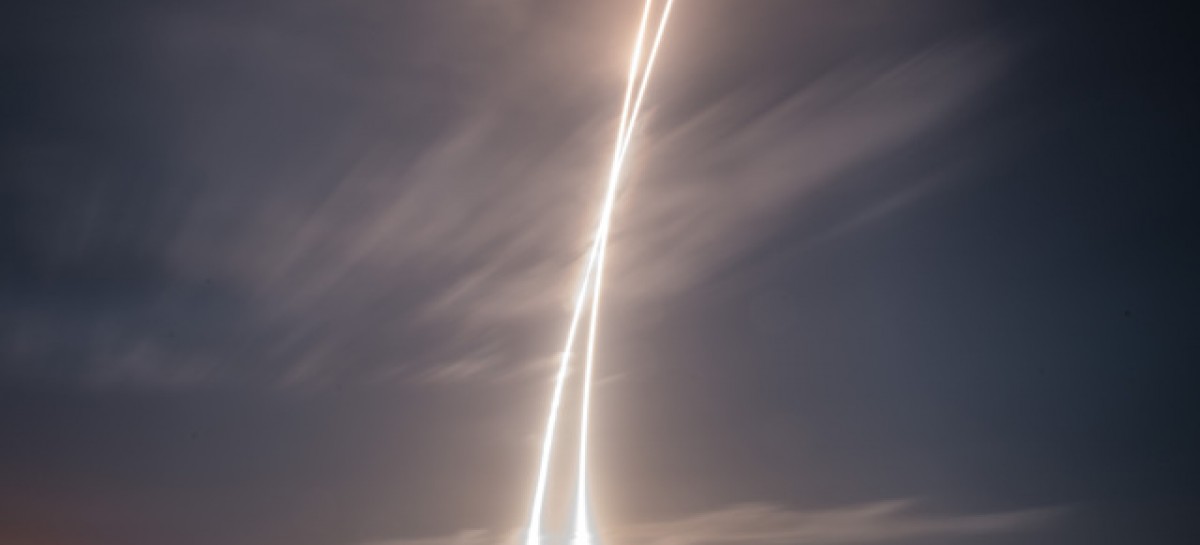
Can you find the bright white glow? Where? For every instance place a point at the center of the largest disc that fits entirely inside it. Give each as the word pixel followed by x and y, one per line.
pixel 533 534
pixel 583 524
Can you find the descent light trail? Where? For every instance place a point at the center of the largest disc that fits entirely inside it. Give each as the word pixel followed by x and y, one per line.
pixel 583 524
pixel 533 533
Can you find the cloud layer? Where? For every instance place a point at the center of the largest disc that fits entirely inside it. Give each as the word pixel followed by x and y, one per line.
pixel 329 214
pixel 770 524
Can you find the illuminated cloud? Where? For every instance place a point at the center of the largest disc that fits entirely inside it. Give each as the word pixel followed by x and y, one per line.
pixel 771 524
pixel 386 245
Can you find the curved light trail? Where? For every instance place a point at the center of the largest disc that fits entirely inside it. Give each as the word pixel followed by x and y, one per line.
pixel 592 274
pixel 534 530
pixel 583 524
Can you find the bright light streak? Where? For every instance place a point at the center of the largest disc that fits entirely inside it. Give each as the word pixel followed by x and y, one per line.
pixel 533 535
pixel 583 533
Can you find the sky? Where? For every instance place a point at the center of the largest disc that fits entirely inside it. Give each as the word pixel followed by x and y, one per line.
pixel 297 272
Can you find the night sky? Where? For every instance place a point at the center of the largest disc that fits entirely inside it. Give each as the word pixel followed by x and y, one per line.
pixel 295 272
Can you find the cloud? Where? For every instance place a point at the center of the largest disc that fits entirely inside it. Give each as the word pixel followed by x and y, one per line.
pixel 465 537
pixel 332 222
pixel 772 524
pixel 765 524
pixel 719 181
pixel 707 187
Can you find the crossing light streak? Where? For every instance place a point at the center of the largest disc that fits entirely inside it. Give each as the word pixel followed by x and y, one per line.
pixel 592 276
pixel 583 524
pixel 534 531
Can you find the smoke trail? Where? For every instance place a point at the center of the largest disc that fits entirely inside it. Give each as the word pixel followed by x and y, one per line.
pixel 533 536
pixel 583 534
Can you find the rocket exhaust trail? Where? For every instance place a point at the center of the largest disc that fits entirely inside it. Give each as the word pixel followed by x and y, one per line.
pixel 583 527
pixel 533 536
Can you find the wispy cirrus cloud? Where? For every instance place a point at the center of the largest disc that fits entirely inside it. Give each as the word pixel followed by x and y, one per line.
pixel 352 227
pixel 491 232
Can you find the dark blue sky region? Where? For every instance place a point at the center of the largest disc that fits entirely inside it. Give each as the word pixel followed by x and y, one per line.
pixel 295 272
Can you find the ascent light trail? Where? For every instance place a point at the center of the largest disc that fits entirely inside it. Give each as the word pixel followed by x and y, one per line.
pixel 582 534
pixel 533 535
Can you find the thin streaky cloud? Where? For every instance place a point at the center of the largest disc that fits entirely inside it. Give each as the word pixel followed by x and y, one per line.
pixel 772 524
